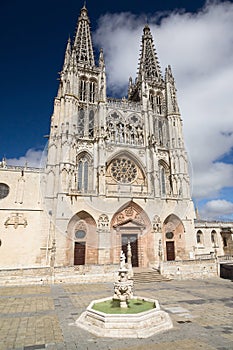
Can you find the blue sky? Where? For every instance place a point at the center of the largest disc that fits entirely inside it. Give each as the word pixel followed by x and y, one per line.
pixel 33 38
pixel 195 39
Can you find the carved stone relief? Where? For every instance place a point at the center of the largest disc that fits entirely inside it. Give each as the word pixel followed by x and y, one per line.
pixel 103 222
pixel 126 214
pixel 16 219
pixel 156 224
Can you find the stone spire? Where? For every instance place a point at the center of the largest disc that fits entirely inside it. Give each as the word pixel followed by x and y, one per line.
pixel 82 43
pixel 149 68
pixel 172 105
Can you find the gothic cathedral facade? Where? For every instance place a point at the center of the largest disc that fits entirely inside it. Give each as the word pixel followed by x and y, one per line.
pixel 117 170
pixel 116 173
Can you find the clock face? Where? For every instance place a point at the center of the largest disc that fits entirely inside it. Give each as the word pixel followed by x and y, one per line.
pixel 123 170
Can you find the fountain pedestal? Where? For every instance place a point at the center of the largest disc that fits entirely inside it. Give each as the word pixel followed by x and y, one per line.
pixel 123 288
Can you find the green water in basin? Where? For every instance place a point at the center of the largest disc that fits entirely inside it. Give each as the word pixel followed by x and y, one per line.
pixel 135 306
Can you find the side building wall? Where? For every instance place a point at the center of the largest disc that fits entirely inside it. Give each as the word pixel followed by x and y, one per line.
pixel 214 238
pixel 24 225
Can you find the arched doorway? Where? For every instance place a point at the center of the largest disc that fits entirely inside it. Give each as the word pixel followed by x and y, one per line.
pixel 82 240
pixel 131 232
pixel 131 224
pixel 173 238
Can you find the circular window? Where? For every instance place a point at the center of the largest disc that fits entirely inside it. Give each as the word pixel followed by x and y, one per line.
pixel 80 234
pixel 4 190
pixel 169 235
pixel 123 170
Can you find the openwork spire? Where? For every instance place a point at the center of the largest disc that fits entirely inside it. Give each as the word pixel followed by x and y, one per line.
pixel 82 42
pixel 149 67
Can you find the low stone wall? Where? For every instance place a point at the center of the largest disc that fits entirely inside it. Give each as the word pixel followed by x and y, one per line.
pixel 103 273
pixel 189 269
pixel 48 275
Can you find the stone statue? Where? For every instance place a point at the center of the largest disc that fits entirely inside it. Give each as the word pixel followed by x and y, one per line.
pixel 123 288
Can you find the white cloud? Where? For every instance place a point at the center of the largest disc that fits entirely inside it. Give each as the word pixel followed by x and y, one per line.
pixel 199 49
pixel 211 178
pixel 33 158
pixel 217 210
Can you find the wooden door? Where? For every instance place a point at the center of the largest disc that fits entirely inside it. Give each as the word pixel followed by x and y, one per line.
pixel 134 247
pixel 170 249
pixel 79 253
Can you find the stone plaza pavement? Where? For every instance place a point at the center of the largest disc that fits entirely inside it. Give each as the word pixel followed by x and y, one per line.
pixel 43 317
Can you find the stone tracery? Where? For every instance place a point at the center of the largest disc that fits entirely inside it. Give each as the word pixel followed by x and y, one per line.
pixel 128 131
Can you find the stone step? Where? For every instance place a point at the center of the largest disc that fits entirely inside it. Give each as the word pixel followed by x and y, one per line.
pixel 149 276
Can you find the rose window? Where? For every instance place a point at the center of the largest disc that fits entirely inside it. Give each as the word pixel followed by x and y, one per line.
pixel 123 170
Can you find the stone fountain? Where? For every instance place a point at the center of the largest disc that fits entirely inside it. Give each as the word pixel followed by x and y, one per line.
pixel 124 320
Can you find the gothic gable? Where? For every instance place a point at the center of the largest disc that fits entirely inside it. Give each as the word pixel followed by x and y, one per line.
pixel 130 215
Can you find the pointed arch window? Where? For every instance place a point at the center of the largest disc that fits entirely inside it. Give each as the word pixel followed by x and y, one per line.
pixel 214 238
pixel 159 104
pixel 152 99
pixel 165 186
pixel 83 181
pixel 91 124
pixel 163 181
pixel 81 118
pixel 92 91
pixel 83 90
pixel 200 240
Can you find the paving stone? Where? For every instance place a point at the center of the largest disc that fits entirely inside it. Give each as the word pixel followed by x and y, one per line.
pixel 32 316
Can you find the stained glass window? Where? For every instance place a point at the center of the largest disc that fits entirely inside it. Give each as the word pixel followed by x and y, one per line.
pixel 123 170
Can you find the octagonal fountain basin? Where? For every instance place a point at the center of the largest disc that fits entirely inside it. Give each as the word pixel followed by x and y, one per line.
pixel 141 319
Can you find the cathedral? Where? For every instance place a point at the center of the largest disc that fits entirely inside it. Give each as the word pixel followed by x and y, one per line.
pixel 116 174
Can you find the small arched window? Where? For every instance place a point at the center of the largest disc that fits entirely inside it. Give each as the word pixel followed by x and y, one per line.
pixel 81 118
pixel 164 174
pixel 152 99
pixel 91 123
pixel 83 90
pixel 92 91
pixel 163 181
pixel 214 237
pixel 199 237
pixel 83 172
pixel 159 104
